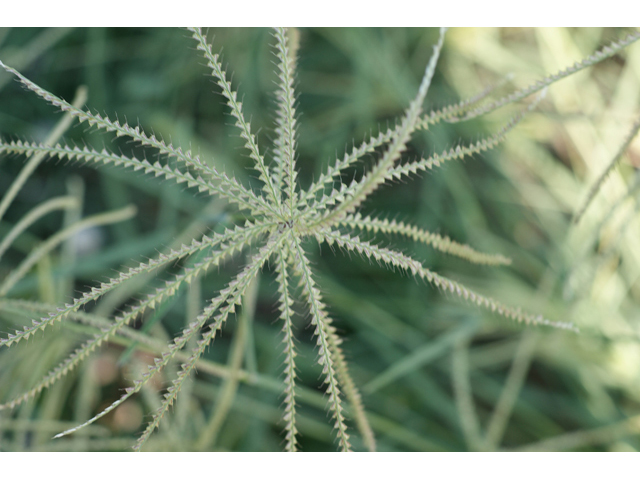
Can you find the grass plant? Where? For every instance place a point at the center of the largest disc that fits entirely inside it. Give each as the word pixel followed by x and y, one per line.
pixel 268 235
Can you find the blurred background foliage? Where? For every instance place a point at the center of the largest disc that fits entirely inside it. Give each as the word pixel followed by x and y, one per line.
pixel 435 373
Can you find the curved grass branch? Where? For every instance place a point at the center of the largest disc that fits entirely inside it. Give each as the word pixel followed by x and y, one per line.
pixel 231 296
pixel 60 203
pixel 96 220
pixel 327 178
pixel 224 185
pixel 351 392
pixel 138 135
pixel 593 191
pixel 450 112
pixel 150 302
pixel 416 269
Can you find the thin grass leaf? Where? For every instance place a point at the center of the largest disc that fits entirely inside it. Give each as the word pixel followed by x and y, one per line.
pixel 62 126
pixel 463 395
pixel 96 220
pixel 33 216
pixel 421 357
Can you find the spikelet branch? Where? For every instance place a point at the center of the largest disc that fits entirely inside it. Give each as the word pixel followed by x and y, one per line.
pixel 285 142
pixel 176 346
pixel 323 331
pixel 452 111
pixel 104 123
pixel 29 307
pixel 339 195
pixel 361 190
pixel 170 288
pixel 416 269
pixel 333 172
pixel 444 244
pixel 351 392
pixel 236 110
pixel 232 296
pixel 462 151
pixel 224 186
pixel 409 168
pixel 286 315
pixel 233 240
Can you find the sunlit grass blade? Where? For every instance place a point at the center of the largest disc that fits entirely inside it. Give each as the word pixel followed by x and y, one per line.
pixel 602 54
pixel 593 191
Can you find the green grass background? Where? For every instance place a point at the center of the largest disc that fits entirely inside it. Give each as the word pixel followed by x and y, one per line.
pixel 435 373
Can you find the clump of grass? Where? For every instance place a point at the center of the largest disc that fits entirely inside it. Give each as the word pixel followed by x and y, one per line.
pixel 275 225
